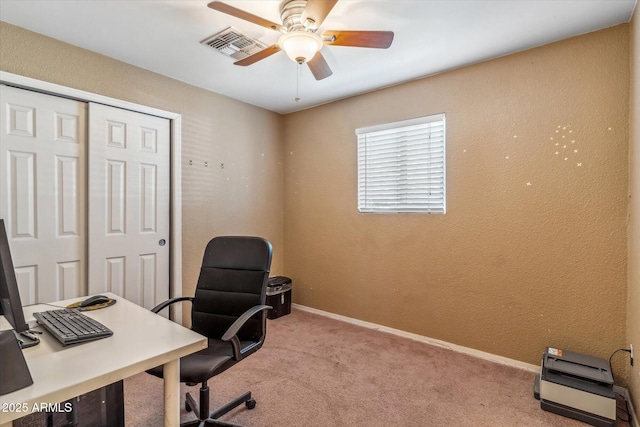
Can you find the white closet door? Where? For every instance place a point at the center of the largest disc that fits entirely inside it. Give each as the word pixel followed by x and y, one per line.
pixel 129 194
pixel 42 192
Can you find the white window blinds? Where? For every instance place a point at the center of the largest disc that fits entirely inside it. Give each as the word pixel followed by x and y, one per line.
pixel 401 166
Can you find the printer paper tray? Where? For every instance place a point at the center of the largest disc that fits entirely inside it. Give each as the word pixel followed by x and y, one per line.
pixel 576 414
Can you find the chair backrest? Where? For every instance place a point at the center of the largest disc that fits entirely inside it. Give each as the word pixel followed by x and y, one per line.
pixel 233 278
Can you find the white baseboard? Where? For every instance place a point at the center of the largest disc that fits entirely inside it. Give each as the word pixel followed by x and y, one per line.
pixel 439 343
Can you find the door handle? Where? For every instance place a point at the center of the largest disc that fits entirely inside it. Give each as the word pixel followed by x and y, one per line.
pixel 162 242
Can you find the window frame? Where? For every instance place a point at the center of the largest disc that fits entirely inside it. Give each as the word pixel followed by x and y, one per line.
pixel 429 153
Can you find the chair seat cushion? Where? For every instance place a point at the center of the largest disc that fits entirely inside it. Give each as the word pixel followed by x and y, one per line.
pixel 200 366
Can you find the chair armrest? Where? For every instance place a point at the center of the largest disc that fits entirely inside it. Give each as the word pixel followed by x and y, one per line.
pixel 168 302
pixel 231 334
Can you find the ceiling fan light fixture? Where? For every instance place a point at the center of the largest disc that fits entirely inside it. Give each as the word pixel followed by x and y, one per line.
pixel 300 46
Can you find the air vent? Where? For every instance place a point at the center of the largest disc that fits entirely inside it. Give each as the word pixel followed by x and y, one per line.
pixel 233 43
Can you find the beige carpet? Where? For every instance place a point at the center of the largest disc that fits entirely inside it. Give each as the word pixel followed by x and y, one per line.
pixel 315 371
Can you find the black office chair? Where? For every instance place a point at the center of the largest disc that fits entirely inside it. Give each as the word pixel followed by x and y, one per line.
pixel 228 308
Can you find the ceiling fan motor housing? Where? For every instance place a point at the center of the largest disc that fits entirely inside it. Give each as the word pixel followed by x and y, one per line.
pixel 300 42
pixel 291 15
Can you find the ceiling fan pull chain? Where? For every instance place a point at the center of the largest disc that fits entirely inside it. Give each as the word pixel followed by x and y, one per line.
pixel 297 99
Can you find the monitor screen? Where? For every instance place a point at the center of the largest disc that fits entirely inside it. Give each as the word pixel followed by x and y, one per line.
pixel 9 293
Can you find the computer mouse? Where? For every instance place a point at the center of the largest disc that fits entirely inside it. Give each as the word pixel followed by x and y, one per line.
pixel 94 300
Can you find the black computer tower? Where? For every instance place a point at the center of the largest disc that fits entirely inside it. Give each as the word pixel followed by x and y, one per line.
pixel 99 408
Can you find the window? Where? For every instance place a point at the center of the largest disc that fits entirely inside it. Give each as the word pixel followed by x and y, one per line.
pixel 401 166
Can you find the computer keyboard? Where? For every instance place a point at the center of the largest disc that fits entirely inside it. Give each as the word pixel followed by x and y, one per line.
pixel 69 326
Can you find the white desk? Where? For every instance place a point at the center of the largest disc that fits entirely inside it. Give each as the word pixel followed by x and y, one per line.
pixel 141 340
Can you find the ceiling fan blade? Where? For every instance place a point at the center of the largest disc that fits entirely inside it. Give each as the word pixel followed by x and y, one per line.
pixel 238 13
pixel 374 39
pixel 319 67
pixel 317 10
pixel 264 53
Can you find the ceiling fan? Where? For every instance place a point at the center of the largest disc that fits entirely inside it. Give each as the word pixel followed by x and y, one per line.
pixel 300 21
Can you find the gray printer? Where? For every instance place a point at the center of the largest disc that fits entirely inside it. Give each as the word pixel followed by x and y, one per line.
pixel 577 386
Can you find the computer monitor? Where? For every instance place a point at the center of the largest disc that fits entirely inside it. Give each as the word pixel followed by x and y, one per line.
pixel 10 294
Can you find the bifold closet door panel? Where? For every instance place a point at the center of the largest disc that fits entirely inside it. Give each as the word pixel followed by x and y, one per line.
pixel 43 140
pixel 129 202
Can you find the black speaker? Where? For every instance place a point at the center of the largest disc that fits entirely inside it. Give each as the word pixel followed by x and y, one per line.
pixel 14 372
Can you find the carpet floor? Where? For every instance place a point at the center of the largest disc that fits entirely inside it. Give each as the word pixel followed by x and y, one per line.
pixel 315 371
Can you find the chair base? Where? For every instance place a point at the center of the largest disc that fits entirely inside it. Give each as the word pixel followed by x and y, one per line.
pixel 212 419
pixel 207 422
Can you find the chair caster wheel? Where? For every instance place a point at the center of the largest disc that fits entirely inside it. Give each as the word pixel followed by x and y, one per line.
pixel 250 404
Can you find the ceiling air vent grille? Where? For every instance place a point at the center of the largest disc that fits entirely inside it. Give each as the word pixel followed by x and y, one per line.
pixel 233 43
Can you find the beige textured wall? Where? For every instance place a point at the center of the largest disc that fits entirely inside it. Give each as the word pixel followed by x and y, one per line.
pixel 633 307
pixel 246 197
pixel 532 251
pixel 509 269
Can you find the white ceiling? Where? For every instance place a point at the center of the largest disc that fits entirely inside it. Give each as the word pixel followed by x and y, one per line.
pixel 431 36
